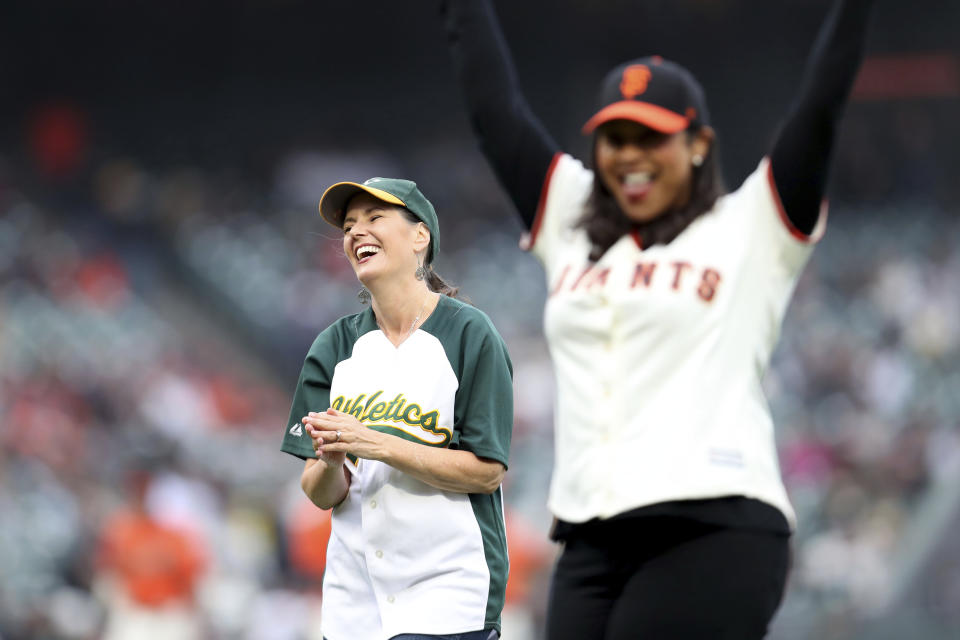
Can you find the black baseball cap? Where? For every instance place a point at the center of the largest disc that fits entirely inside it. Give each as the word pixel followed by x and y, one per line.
pixel 654 92
pixel 396 191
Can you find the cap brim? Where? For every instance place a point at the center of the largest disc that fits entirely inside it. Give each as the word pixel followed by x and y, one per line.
pixel 335 198
pixel 651 115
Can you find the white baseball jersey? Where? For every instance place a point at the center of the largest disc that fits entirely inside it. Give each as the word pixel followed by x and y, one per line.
pixel 659 352
pixel 405 557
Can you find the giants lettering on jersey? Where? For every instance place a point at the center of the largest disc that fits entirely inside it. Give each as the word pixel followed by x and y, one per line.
pixel 681 275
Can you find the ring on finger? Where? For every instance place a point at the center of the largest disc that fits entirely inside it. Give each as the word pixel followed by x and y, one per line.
pixel 338 437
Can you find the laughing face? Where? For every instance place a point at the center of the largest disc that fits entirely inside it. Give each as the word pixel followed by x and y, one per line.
pixel 379 241
pixel 647 172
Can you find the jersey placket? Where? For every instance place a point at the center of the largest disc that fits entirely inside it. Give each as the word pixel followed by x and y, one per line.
pixel 613 374
pixel 609 373
pixel 374 517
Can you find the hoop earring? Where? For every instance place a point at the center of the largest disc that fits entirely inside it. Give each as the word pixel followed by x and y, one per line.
pixel 364 295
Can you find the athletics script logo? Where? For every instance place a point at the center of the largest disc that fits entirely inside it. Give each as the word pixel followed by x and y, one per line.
pixel 398 416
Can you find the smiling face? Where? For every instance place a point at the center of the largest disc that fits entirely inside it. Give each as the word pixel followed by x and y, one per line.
pixel 647 172
pixel 379 241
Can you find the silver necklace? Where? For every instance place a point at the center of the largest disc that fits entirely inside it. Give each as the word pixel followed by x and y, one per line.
pixel 413 325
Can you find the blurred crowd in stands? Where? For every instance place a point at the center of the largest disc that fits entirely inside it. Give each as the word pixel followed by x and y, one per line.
pixel 152 325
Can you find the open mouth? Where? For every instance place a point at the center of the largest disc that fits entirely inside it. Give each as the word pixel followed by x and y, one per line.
pixel 364 252
pixel 636 184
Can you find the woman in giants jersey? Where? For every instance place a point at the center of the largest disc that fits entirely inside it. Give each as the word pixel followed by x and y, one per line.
pixel 666 299
pixel 403 415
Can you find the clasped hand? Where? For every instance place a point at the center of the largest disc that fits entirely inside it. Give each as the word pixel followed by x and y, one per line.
pixel 335 434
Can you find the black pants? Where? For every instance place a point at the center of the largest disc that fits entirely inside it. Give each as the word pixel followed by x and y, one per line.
pixel 486 634
pixel 663 577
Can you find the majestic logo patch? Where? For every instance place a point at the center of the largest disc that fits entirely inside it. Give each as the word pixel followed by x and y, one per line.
pixel 635 79
pixel 297 430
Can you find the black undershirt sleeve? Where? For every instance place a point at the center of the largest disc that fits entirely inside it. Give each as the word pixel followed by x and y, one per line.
pixel 800 156
pixel 511 137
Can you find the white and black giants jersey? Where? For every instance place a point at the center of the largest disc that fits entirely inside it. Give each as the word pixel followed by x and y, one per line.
pixel 659 352
pixel 403 556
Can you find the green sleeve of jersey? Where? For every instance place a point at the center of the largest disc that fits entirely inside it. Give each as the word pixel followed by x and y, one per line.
pixel 483 409
pixel 312 394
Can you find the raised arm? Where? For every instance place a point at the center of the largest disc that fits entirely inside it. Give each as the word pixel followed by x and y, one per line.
pixel 513 140
pixel 800 157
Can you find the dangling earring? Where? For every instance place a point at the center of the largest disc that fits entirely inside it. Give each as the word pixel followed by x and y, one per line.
pixel 420 273
pixel 364 295
pixel 697 160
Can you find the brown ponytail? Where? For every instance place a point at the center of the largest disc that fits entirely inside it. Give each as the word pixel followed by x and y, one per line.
pixel 434 282
pixel 438 285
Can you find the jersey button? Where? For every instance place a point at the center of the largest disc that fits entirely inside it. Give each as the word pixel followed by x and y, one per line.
pixel 373 504
pixel 391 599
pixel 379 553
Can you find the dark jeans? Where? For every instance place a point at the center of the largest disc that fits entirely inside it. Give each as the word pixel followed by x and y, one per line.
pixel 664 577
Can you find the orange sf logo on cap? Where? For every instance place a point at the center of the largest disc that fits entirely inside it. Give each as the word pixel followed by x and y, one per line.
pixel 635 80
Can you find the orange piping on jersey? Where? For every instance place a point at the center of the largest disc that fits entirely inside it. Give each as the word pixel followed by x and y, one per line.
pixel 796 233
pixel 542 204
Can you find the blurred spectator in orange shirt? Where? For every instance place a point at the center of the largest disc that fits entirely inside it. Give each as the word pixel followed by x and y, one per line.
pixel 148 572
pixel 531 558
pixel 308 533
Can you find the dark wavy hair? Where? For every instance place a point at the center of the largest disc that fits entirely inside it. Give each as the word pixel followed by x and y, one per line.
pixel 605 223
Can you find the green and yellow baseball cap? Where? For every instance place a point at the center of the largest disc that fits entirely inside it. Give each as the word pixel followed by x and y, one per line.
pixel 396 191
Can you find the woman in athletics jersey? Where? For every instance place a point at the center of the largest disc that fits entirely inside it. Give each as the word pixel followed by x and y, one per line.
pixel 666 296
pixel 403 415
